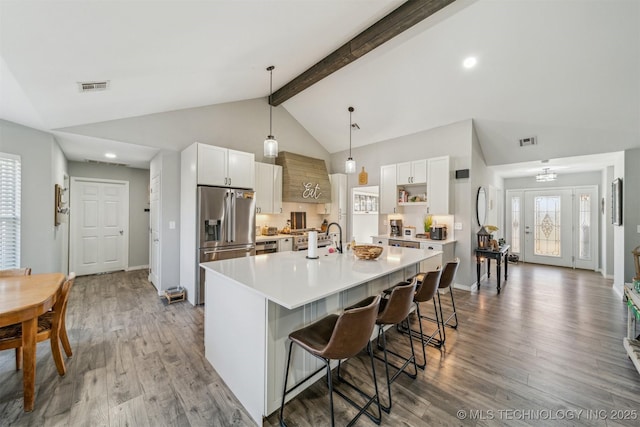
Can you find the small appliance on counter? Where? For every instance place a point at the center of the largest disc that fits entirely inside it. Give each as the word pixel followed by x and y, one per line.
pixel 269 231
pixel 409 231
pixel 439 232
pixel 396 227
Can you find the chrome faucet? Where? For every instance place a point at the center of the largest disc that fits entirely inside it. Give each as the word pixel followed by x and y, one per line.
pixel 339 248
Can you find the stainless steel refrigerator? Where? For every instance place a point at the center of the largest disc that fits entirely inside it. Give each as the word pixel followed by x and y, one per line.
pixel 226 227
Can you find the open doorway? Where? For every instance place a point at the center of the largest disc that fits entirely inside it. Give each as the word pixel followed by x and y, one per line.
pixel 364 214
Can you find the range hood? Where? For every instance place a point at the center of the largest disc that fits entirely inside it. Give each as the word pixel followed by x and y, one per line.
pixel 304 179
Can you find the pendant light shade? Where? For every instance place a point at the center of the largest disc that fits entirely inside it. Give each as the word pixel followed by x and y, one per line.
pixel 270 144
pixel 350 164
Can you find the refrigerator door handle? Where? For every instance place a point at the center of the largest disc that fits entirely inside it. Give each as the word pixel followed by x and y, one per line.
pixel 233 216
pixel 227 212
pixel 217 251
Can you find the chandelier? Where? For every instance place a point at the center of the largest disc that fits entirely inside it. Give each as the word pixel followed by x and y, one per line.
pixel 546 176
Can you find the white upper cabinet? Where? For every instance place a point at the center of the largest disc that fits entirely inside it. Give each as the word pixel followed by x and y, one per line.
pixel 414 172
pixel 438 184
pixel 226 168
pixel 388 189
pixel 268 188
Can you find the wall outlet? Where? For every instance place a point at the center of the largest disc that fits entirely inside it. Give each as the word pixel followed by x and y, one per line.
pixel 172 225
pixel 457 226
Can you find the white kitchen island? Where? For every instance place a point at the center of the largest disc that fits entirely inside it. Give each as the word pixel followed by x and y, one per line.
pixel 253 303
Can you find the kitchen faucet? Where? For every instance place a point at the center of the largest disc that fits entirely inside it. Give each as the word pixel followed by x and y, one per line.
pixel 339 248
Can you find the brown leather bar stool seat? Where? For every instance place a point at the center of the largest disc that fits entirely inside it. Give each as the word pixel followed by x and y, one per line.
pixel 394 309
pixel 338 337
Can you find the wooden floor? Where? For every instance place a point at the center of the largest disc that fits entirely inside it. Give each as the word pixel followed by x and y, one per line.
pixel 546 351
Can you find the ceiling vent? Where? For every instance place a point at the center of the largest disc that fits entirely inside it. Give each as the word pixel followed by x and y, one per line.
pixel 528 141
pixel 93 86
pixel 100 162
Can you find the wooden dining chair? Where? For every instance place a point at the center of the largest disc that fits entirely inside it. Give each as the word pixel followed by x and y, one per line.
pixel 51 326
pixel 15 272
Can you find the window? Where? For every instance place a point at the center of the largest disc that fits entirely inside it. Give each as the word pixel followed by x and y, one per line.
pixel 9 211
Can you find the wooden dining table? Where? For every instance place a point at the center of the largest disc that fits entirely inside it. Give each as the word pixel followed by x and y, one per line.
pixel 22 300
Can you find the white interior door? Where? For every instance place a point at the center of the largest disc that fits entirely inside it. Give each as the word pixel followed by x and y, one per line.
pixel 154 232
pixel 99 214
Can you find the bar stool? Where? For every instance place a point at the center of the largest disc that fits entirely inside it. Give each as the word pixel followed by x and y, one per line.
pixel 394 309
pixel 335 338
pixel 425 292
pixel 446 281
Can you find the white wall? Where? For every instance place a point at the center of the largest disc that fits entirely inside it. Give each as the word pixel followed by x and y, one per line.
pixel 43 166
pixel 167 165
pixel 241 125
pixel 453 140
pixel 138 201
pixel 631 210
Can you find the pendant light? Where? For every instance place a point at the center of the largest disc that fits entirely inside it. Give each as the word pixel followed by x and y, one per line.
pixel 350 164
pixel 270 144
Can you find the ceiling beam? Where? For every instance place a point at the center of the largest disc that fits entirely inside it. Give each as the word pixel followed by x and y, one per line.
pixel 404 17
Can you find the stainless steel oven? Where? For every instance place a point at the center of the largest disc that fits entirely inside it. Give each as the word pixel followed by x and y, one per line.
pixel 266 247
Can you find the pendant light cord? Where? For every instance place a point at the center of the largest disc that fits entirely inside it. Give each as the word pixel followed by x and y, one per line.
pixel 350 129
pixel 270 95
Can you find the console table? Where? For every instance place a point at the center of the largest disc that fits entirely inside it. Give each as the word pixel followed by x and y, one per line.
pixel 632 342
pixel 489 254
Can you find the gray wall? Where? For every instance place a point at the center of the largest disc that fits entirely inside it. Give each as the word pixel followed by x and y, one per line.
pixel 564 180
pixel 138 201
pixel 631 210
pixel 43 166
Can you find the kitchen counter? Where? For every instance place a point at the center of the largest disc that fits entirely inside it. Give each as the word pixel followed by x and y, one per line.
pixel 262 238
pixel 413 239
pixel 291 280
pixel 253 303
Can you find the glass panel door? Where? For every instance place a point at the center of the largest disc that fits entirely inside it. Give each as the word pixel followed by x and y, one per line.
pixel 547 227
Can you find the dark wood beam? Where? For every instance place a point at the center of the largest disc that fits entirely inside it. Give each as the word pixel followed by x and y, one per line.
pixel 401 19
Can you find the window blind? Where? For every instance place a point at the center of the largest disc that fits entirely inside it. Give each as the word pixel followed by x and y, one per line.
pixel 9 211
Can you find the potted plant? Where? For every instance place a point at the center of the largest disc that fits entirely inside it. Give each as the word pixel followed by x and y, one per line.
pixel 428 222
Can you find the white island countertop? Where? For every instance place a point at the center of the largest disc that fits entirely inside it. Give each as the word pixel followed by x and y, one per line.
pixel 291 280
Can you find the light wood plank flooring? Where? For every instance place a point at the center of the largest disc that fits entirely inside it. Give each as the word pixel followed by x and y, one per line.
pixel 549 346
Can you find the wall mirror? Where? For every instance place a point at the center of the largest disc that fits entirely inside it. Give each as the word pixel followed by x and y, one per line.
pixel 481 206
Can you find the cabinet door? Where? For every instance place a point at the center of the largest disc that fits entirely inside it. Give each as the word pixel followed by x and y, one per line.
pixel 438 186
pixel 277 189
pixel 419 172
pixel 241 172
pixel 403 173
pixel 388 189
pixel 212 165
pixel 264 188
pixel 338 205
pixel 285 244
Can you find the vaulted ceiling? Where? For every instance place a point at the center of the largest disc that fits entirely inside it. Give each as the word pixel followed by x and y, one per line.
pixel 565 72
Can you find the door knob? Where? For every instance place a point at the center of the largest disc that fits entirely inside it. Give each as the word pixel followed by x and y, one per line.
pixel 121 232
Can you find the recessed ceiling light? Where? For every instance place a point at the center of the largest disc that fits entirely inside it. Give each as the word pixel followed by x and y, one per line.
pixel 470 62
pixel 110 156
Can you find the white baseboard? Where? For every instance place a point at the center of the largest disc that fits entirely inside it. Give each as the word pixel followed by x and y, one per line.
pixel 468 288
pixel 137 267
pixel 619 290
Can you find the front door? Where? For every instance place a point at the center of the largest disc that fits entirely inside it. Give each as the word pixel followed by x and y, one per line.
pixel 554 226
pixel 99 214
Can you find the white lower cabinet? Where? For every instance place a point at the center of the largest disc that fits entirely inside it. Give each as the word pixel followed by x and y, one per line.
pixel 285 244
pixel 448 249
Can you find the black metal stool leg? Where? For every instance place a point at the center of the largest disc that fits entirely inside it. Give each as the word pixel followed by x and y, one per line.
pixel 284 389
pixel 330 384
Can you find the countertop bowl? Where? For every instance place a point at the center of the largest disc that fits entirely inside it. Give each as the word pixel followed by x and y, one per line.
pixel 367 251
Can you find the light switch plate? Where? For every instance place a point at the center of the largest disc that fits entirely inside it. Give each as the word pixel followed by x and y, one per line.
pixel 638 228
pixel 172 225
pixel 457 226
